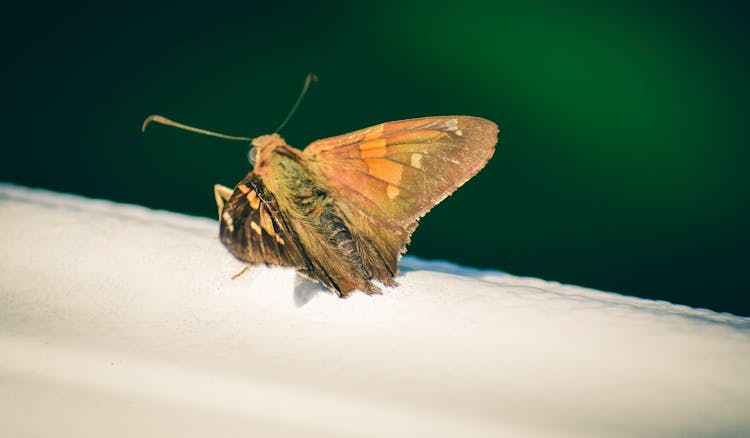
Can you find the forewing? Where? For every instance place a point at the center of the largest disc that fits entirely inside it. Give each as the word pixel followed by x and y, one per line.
pixel 387 176
pixel 398 171
pixel 255 231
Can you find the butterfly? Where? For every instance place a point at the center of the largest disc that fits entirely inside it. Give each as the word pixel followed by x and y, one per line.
pixel 342 211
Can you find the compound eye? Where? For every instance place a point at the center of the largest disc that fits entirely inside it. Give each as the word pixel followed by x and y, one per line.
pixel 252 155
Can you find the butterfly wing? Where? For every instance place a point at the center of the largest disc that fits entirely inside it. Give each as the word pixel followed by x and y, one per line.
pixel 255 231
pixel 388 176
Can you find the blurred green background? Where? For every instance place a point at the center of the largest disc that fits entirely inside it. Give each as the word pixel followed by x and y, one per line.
pixel 624 148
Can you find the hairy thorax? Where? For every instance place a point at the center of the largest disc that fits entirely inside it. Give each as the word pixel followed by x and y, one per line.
pixel 307 199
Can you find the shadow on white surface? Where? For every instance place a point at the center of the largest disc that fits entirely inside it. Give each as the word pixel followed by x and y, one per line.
pixel 117 320
pixel 305 290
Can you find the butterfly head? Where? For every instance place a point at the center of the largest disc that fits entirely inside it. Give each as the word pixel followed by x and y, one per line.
pixel 261 150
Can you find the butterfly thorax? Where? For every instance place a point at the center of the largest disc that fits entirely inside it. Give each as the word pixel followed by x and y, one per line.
pixel 307 201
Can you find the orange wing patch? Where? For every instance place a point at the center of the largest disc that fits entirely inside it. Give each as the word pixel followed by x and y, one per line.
pixel 384 169
pixel 252 198
pixel 373 148
pixel 266 223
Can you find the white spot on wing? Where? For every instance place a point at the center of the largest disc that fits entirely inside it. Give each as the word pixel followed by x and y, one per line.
pixel 392 191
pixel 228 221
pixel 416 160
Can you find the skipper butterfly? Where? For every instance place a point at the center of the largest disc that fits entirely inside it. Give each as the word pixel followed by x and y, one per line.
pixel 342 210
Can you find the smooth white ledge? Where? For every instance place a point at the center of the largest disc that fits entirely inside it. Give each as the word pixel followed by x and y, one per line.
pixel 117 320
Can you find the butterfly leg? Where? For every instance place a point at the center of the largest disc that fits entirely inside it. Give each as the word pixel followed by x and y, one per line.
pixel 222 194
pixel 241 272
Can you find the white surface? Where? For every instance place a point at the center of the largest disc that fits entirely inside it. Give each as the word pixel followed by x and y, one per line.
pixel 120 321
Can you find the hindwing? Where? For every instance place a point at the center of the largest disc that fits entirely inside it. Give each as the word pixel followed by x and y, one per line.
pixel 254 229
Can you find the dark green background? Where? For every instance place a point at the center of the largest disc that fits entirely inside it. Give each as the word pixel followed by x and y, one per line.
pixel 624 146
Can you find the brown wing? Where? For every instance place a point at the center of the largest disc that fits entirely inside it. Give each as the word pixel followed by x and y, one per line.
pixel 386 177
pixel 254 230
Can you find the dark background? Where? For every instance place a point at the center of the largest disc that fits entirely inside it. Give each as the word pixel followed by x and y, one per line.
pixel 624 148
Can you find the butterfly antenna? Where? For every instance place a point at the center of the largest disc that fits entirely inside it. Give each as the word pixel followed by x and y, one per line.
pixel 310 78
pixel 165 121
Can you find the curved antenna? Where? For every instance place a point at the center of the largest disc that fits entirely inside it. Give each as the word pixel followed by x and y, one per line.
pixel 165 121
pixel 310 78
